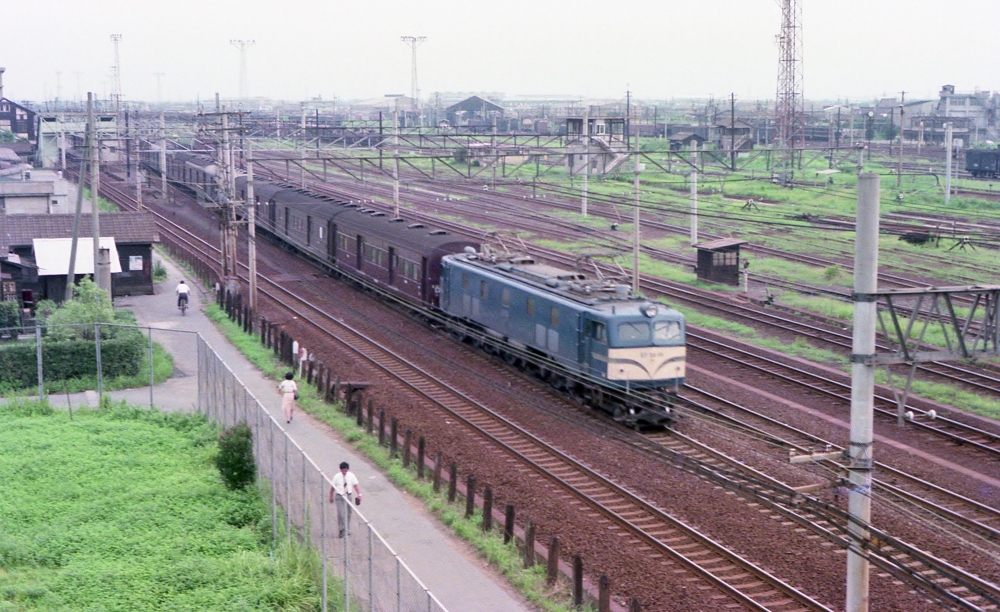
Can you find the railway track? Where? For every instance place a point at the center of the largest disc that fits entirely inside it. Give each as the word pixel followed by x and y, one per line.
pixel 645 526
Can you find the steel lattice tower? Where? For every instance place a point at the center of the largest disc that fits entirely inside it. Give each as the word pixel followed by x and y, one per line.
pixel 243 45
pixel 116 76
pixel 413 42
pixel 790 118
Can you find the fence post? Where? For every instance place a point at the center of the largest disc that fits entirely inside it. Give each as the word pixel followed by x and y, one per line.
pixel 38 356
pixel 452 484
pixel 470 496
pixel 487 509
pixel 407 438
pixel 150 368
pixel 371 416
pixel 508 524
pixel 577 581
pixel 394 432
pixel 336 390
pixel 306 528
pixel 529 544
pixel 552 569
pixel 322 534
pixel 361 413
pixel 319 377
pixel 274 483
pixel 437 471
pixel 421 443
pixel 604 594
pixel 381 427
pixel 633 605
pixel 288 492
pixel 100 373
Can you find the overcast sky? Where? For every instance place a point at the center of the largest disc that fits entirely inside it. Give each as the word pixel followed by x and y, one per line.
pixel 856 49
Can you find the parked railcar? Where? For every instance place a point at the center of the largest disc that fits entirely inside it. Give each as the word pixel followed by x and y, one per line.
pixel 983 163
pixel 594 331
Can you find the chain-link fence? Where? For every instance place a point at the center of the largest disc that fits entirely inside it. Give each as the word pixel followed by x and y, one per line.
pixel 369 575
pixel 360 571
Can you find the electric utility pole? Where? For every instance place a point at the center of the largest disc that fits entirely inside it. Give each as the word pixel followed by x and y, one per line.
pixel 243 45
pixel 413 42
pixel 899 173
pixel 635 222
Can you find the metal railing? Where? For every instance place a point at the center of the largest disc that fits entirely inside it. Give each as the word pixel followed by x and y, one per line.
pixel 359 571
pixel 371 574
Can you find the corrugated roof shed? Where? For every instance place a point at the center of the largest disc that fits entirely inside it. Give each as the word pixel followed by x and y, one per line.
pixel 124 227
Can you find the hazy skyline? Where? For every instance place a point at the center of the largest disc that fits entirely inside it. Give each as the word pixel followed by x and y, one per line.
pixel 352 50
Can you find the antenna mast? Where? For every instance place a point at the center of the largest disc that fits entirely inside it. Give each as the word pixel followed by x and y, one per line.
pixel 790 118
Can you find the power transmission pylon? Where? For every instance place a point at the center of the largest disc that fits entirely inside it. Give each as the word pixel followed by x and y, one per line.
pixel 790 117
pixel 116 76
pixel 243 45
pixel 413 42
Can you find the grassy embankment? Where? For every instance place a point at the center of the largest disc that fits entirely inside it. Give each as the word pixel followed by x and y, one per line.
pixel 121 509
pixel 506 559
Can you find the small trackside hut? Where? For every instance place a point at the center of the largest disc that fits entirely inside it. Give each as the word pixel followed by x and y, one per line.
pixel 719 261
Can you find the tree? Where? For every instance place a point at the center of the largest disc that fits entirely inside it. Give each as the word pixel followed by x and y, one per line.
pixel 90 305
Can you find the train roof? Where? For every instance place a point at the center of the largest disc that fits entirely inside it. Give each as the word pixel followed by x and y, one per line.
pixel 416 236
pixel 597 294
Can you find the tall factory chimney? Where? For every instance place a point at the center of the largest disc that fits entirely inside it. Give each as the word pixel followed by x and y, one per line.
pixel 1 81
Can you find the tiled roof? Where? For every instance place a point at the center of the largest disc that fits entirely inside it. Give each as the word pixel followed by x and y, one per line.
pixel 125 227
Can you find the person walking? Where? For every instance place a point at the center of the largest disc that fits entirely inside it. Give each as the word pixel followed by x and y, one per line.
pixel 345 486
pixel 289 393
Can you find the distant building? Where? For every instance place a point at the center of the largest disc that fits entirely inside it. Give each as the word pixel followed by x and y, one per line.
pixel 473 110
pixel 731 135
pixel 36 192
pixel 595 142
pixel 14 117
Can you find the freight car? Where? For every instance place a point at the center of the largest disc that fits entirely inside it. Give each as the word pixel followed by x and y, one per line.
pixel 983 162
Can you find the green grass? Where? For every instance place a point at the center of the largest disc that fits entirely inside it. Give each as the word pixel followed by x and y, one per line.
pixel 120 509
pixel 506 559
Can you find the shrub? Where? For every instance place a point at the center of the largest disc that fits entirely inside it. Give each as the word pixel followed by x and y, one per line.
pixel 235 458
pixel 10 317
pixel 90 304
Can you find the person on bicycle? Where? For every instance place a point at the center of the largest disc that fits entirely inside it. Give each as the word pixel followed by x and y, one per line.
pixel 182 291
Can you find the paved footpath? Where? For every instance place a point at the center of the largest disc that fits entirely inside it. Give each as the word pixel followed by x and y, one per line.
pixel 446 565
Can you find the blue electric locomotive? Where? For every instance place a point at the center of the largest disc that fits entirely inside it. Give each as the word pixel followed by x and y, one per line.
pixel 589 330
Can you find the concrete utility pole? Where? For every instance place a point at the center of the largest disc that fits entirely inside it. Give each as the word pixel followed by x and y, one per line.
pixel 95 190
pixel 635 222
pixel 163 156
pixel 395 163
pixel 71 274
pixel 243 45
pixel 899 173
pixel 862 391
pixel 413 42
pixel 947 157
pixel 694 193
pixel 251 208
pixel 585 133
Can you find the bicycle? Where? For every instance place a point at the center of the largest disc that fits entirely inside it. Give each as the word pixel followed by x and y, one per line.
pixel 182 304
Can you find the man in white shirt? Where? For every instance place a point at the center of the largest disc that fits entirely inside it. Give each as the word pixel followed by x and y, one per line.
pixel 182 291
pixel 345 486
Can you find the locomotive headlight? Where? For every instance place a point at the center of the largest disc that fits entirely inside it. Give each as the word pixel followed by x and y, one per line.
pixel 649 310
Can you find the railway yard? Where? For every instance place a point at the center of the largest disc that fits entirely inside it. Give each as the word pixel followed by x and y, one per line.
pixel 713 512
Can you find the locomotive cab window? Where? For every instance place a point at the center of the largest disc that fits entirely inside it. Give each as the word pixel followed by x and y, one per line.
pixel 505 297
pixel 530 306
pixel 465 281
pixel 598 332
pixel 484 289
pixel 554 317
pixel 636 331
pixel 664 331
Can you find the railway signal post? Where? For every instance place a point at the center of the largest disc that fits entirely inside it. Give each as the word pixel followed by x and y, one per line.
pixel 862 391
